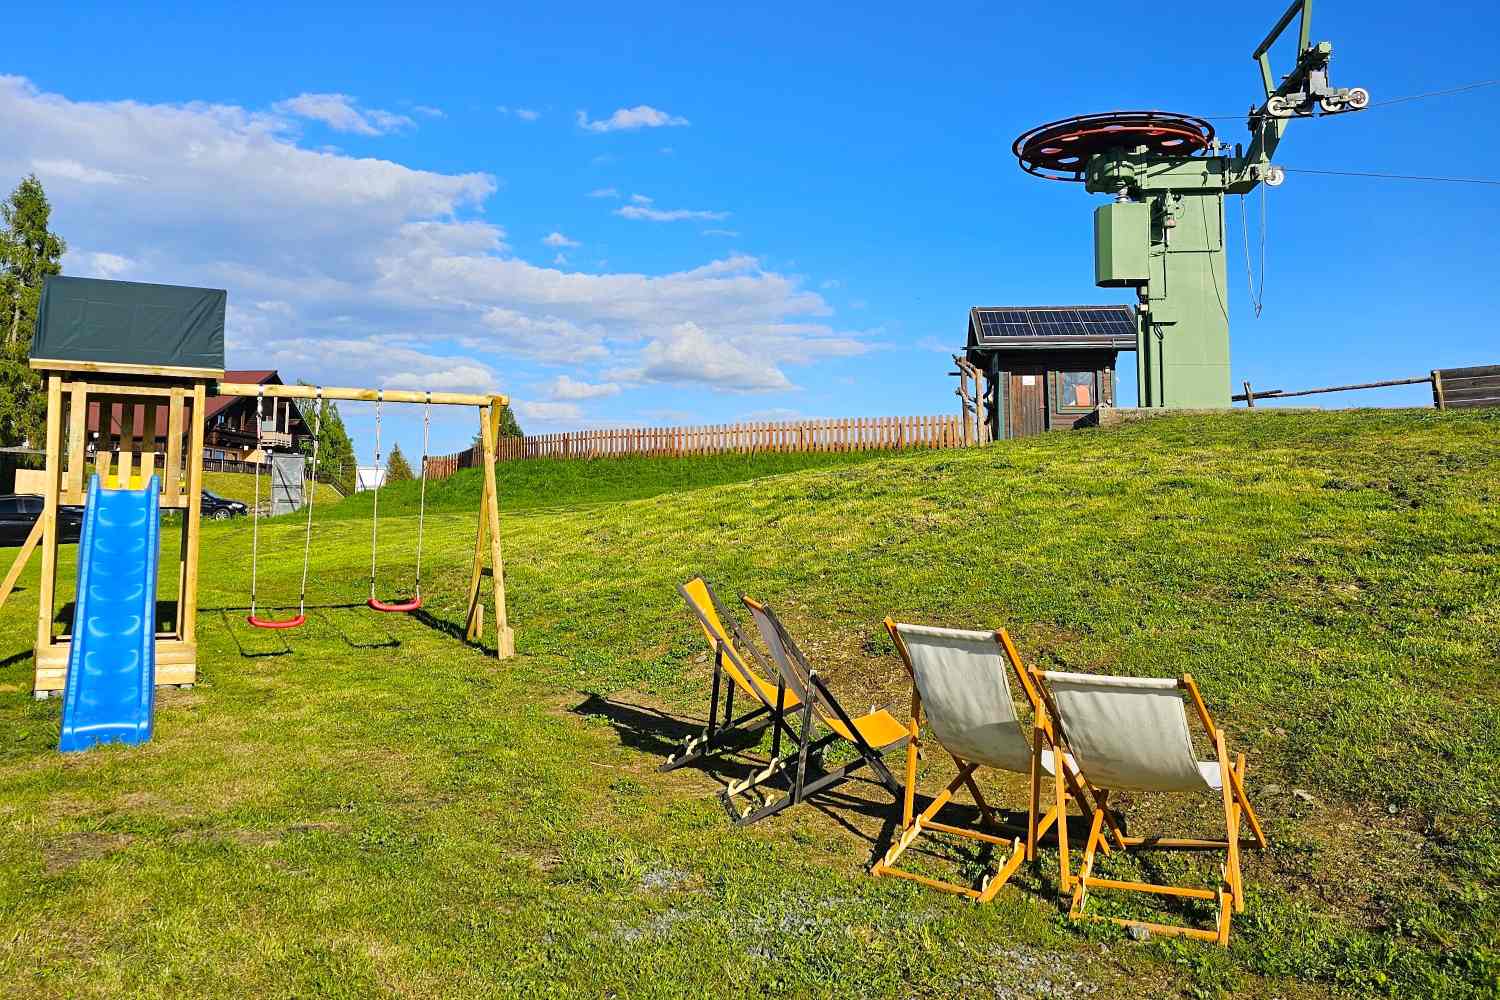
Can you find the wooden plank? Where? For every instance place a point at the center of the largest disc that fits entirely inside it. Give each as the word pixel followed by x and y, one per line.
pixel 78 414
pixel 1471 372
pixel 474 620
pixel 125 465
pixel 22 558
pixel 245 389
pixel 117 368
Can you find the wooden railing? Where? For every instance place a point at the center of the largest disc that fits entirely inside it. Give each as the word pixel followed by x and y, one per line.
pixel 840 434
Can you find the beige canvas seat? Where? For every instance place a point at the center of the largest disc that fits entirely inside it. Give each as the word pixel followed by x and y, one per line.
pixel 960 685
pixel 1131 734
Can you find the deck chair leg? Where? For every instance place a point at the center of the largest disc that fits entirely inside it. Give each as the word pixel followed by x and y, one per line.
pixel 1060 803
pixel 1035 803
pixel 1238 777
pixel 1231 822
pixel 1081 886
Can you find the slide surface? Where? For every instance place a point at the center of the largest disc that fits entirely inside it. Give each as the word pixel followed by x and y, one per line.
pixel 112 663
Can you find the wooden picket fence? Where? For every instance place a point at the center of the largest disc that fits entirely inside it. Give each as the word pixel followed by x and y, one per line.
pixel 839 434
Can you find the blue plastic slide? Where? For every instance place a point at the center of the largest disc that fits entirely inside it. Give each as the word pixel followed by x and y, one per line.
pixel 112 662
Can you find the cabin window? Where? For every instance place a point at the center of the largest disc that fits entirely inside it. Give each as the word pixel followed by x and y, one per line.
pixel 1077 390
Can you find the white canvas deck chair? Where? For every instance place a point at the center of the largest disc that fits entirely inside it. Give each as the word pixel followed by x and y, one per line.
pixel 1131 734
pixel 871 735
pixel 959 682
pixel 733 670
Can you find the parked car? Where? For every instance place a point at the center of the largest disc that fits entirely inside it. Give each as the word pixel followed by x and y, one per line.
pixel 220 508
pixel 19 511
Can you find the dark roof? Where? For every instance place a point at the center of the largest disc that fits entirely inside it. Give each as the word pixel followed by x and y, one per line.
pixel 1051 327
pixel 253 377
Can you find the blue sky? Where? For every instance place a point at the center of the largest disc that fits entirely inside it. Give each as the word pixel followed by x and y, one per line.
pixel 645 215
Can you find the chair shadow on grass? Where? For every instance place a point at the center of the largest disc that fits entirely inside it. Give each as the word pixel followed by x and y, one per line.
pixel 861 806
pixel 857 804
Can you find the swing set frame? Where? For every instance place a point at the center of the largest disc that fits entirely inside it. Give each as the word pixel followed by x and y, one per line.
pixel 130 399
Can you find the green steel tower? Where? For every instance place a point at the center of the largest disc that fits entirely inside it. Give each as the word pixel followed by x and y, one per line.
pixel 1164 233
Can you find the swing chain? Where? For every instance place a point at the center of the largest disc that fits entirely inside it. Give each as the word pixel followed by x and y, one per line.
pixel 311 497
pixel 375 504
pixel 260 394
pixel 422 503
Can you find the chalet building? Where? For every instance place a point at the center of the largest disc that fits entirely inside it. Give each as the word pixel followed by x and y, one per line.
pixel 229 429
pixel 1046 367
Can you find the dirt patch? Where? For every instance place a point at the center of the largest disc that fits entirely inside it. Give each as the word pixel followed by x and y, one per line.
pixel 71 850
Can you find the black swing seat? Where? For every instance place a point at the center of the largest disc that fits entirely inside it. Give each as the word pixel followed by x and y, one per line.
pixel 396 607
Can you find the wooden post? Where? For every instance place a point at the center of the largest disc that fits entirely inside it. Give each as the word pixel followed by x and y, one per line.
pixel 187 607
pixel 505 640
pixel 1249 395
pixel 1438 399
pixel 47 589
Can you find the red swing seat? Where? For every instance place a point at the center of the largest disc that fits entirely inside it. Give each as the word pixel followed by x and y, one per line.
pixel 395 607
pixel 259 622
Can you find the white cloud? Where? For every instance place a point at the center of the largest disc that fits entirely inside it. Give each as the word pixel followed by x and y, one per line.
pixel 560 258
pixel 99 264
pixel 831 284
pixel 605 193
pixel 555 239
pixel 525 114
pixel 564 387
pixel 629 119
pixel 340 113
pixel 668 151
pixel 72 170
pixel 428 111
pixel 687 353
pixel 641 199
pixel 547 412
pixel 643 213
pixel 721 232
pixel 360 270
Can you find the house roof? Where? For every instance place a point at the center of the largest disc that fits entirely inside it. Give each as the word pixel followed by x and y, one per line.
pixel 1051 327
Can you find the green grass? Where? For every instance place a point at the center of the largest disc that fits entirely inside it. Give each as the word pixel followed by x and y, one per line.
pixel 241 486
pixel 370 807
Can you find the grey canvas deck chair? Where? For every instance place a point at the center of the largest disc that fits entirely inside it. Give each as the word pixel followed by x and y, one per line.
pixel 960 683
pixel 734 669
pixel 1131 734
pixel 871 735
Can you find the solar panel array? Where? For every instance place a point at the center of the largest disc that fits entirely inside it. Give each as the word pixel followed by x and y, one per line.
pixel 1104 321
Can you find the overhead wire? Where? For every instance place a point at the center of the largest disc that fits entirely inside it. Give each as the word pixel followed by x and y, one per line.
pixel 1394 177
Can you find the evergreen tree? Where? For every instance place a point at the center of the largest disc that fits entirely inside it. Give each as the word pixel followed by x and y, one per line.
pixel 29 252
pixel 336 450
pixel 397 469
pixel 509 428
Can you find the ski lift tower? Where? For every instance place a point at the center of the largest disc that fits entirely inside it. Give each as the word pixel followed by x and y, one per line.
pixel 1164 233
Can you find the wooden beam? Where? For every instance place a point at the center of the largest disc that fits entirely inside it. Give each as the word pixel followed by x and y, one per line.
pixel 250 390
pixel 22 558
pixel 118 368
pixel 187 596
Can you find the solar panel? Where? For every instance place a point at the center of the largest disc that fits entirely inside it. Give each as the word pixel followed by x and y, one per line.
pixel 1058 321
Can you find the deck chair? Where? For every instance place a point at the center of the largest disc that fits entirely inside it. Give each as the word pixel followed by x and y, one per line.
pixel 1131 734
pixel 871 735
pixel 959 681
pixel 733 657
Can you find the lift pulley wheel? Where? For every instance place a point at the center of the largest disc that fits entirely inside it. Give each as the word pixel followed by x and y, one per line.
pixel 1060 150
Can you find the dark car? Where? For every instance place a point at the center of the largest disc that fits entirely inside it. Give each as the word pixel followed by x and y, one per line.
pixel 19 511
pixel 220 508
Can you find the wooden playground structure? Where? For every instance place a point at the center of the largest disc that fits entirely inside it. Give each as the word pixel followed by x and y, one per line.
pixel 150 420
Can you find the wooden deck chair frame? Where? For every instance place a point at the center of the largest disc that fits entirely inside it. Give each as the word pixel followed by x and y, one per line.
pixel 915 824
pixel 799 677
pixel 732 669
pixel 1230 894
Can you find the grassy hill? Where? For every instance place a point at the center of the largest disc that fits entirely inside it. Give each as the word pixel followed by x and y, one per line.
pixel 369 807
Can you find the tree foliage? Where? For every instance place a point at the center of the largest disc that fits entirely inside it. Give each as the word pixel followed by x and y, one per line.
pixel 397 469
pixel 29 252
pixel 336 448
